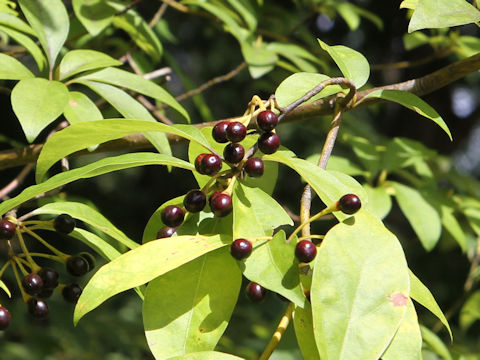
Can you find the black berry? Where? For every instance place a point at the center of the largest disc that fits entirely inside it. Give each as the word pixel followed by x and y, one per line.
pixel 64 224
pixel 221 204
pixel 77 265
pixel 49 277
pixel 166 232
pixel 195 201
pixel 32 284
pixel 236 131
pixel 305 251
pixel 255 292
pixel 198 163
pixel 45 293
pixel 71 293
pixel 38 308
pixel 173 215
pixel 268 143
pixel 349 204
pixel 7 229
pixel 211 164
pixel 90 259
pixel 267 120
pixel 241 249
pixel 234 153
pixel 254 167
pixel 4 318
pixel 219 132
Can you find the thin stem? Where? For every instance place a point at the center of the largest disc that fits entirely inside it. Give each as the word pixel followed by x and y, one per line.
pixel 321 237
pixel 20 265
pixel 19 281
pixel 318 215
pixel 47 245
pixel 277 335
pixel 4 267
pixel 47 256
pixel 32 262
pixel 17 181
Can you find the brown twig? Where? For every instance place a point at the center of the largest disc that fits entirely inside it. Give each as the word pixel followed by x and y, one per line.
pixel 154 110
pixel 16 182
pixel 410 64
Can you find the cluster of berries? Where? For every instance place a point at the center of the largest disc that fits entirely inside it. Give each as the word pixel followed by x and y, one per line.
pixel 231 132
pixel 39 284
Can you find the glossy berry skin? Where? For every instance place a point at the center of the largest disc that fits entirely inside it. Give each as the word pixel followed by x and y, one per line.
pixel 241 249
pixel 7 229
pixel 173 215
pixel 4 318
pixel 38 308
pixel 233 153
pixel 166 232
pixel 198 163
pixel 268 143
pixel 219 132
pixel 221 204
pixel 64 224
pixel 49 277
pixel 89 258
pixel 236 131
pixel 45 293
pixel 32 284
pixel 255 292
pixel 267 120
pixel 71 293
pixel 254 167
pixel 349 204
pixel 210 165
pixel 305 251
pixel 195 201
pixel 77 265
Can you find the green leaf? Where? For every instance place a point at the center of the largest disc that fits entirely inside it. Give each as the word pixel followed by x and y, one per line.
pixel 450 222
pixel 12 69
pixel 37 103
pixel 470 311
pixel 28 44
pixel 433 341
pixel 4 287
pixel 97 168
pixel 413 102
pixel 259 58
pixel 93 14
pixel 79 136
pixel 80 108
pixel 246 11
pixel 468 45
pixel 303 323
pixel 407 343
pixel 358 296
pixel 352 64
pixel 256 213
pixel 414 40
pixel 88 215
pixel 367 152
pixel 15 23
pixel 379 201
pixel 421 215
pixel 402 152
pixel 409 4
pixel 348 13
pixel 80 60
pixel 339 164
pixel 424 297
pixel 350 183
pixel 99 245
pixel 141 265
pixel 296 54
pixel 50 21
pixel 435 14
pixel 297 85
pixel 122 78
pixel 326 185
pixel 274 266
pixel 207 355
pixel 197 300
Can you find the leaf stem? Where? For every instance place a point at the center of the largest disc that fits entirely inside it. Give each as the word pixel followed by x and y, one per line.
pixel 277 335
pixel 57 252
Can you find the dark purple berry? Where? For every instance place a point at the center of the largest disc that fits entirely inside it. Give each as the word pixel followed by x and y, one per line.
pixel 38 308
pixel 255 292
pixel 166 232
pixel 221 204
pixel 173 215
pixel 267 120
pixel 89 258
pixel 349 204
pixel 254 167
pixel 4 318
pixel 305 251
pixel 268 143
pixel 219 132
pixel 195 201
pixel 241 249
pixel 211 164
pixel 233 153
pixel 71 293
pixel 45 293
pixel 7 229
pixel 77 265
pixel 49 277
pixel 64 224
pixel 198 163
pixel 32 284
pixel 236 131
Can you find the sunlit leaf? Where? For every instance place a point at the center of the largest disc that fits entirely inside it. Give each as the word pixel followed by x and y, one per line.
pixel 12 69
pixel 303 322
pixel 77 61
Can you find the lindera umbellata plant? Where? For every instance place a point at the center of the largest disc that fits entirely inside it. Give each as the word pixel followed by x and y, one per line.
pixel 348 290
